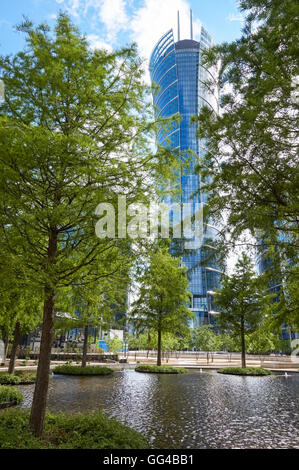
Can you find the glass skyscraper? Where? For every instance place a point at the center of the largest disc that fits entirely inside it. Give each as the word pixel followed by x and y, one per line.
pixel 180 86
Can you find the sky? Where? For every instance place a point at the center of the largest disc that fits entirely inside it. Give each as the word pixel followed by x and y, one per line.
pixel 114 23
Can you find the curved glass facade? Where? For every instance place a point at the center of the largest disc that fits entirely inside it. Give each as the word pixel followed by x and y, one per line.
pixel 181 85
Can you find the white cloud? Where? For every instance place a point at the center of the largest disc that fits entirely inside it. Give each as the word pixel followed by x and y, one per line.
pixel 71 6
pixel 113 14
pixel 145 24
pixel 156 17
pixel 110 13
pixel 97 43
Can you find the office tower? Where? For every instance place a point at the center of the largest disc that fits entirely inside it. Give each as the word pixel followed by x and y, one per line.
pixel 180 86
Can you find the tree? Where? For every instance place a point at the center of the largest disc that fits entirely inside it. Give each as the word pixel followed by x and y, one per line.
pixel 95 304
pixel 115 344
pixel 242 301
pixel 74 132
pixel 204 338
pixel 251 165
pixel 163 297
pixel 228 343
pixel 170 342
pixel 262 342
pixel 20 306
pixel 285 308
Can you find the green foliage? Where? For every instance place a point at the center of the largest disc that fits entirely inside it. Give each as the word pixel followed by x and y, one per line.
pixel 149 341
pixel 243 302
pixel 115 344
pixel 245 371
pixel 285 310
pixel 204 338
pixel 10 394
pixel 262 342
pixel 164 294
pixel 19 377
pixel 94 304
pixel 20 302
pixel 9 379
pixel 78 370
pixel 25 376
pixel 229 343
pixel 75 131
pixel 141 341
pixel 63 431
pixel 160 369
pixel 242 299
pixel 251 167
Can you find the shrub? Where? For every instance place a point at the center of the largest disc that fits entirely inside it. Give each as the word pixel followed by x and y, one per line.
pixel 25 376
pixel 160 369
pixel 245 371
pixel 10 394
pixel 63 431
pixel 9 379
pixel 19 377
pixel 78 370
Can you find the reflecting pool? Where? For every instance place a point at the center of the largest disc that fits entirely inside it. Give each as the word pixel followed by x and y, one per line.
pixel 193 410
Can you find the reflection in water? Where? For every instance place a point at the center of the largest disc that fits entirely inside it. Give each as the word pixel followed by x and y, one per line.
pixel 188 411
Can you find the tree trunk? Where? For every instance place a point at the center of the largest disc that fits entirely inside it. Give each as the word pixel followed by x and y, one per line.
pixel 159 353
pixel 39 403
pixel 13 354
pixel 6 341
pixel 85 344
pixel 243 344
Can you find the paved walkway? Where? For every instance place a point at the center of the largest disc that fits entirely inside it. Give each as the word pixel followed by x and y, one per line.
pixel 180 363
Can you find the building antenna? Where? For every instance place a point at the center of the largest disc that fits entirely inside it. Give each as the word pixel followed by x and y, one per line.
pixel 191 24
pixel 179 32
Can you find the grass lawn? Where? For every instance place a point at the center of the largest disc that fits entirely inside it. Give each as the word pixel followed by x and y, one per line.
pixel 10 394
pixel 160 369
pixel 19 377
pixel 245 371
pixel 62 431
pixel 79 370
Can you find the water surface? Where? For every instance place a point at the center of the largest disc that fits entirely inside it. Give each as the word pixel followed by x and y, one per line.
pixel 194 410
